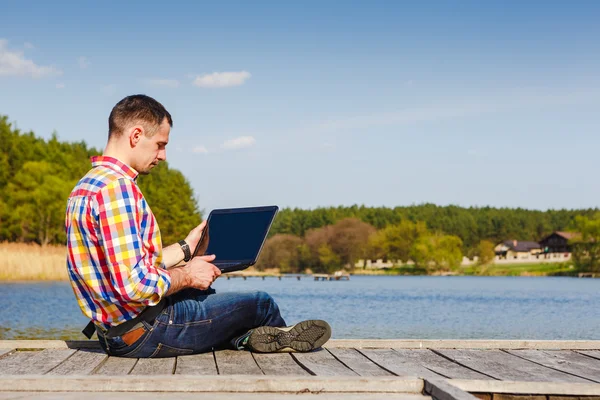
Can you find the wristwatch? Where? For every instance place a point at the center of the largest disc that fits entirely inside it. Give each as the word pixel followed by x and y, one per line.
pixel 187 254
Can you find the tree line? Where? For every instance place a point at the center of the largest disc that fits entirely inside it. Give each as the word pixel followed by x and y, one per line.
pixel 37 175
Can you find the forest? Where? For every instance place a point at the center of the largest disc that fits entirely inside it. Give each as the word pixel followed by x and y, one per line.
pixel 37 175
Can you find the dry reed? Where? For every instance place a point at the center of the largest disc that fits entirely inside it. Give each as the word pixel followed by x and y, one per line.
pixel 31 262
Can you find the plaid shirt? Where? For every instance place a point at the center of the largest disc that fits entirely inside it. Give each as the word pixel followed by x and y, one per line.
pixel 114 250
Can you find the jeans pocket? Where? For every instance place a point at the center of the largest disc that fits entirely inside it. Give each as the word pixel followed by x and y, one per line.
pixel 163 351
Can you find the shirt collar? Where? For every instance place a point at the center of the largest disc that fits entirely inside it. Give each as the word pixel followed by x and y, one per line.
pixel 115 165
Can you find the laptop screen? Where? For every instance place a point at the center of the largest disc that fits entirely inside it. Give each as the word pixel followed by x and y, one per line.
pixel 237 234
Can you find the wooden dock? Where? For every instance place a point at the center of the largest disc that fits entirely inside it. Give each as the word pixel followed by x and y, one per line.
pixel 344 369
pixel 316 277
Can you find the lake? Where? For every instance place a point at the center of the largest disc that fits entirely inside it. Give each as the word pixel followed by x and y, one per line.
pixel 365 307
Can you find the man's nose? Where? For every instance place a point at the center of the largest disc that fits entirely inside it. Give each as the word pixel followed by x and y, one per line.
pixel 162 155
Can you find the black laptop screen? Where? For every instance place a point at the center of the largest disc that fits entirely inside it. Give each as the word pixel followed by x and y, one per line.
pixel 237 236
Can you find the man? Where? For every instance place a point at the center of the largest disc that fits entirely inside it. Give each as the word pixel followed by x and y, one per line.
pixel 142 302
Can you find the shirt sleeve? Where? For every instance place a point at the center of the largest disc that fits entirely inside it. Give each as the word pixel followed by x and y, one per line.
pixel 133 276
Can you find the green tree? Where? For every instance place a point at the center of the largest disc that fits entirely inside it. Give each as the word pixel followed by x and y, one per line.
pixel 586 248
pixel 485 252
pixel 328 259
pixel 38 199
pixel 282 251
pixel 437 252
pixel 394 242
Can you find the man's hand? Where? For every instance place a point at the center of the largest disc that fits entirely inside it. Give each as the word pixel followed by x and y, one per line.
pixel 201 273
pixel 194 236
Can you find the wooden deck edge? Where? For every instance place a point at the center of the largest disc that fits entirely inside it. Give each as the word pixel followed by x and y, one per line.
pixel 513 387
pixel 439 389
pixel 215 384
pixel 357 343
pixel 466 344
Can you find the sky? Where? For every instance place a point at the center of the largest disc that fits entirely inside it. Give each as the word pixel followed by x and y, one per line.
pixel 328 103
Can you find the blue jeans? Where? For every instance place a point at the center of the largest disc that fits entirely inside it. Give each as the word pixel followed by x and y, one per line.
pixel 196 321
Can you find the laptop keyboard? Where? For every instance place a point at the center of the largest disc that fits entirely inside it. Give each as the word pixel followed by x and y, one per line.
pixel 226 265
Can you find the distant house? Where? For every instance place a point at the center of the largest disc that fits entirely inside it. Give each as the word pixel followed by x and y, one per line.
pixel 518 249
pixel 558 242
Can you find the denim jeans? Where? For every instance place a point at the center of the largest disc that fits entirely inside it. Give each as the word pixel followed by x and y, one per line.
pixel 196 321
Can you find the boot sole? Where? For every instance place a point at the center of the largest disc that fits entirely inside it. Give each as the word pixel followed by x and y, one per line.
pixel 302 337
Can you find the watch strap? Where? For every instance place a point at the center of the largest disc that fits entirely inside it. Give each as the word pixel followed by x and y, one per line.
pixel 187 254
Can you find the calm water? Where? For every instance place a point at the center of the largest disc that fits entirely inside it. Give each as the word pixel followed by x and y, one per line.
pixel 366 307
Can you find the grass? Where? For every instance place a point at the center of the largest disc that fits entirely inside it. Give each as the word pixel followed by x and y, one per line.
pixel 537 269
pixel 532 269
pixel 31 262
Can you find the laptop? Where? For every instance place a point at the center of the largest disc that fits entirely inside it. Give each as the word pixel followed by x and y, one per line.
pixel 236 236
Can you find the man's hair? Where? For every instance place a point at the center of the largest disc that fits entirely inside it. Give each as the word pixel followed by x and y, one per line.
pixel 138 108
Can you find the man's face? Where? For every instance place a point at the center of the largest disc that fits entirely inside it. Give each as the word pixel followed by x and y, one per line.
pixel 152 150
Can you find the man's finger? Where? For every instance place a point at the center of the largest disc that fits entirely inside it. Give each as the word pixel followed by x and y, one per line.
pixel 218 271
pixel 208 258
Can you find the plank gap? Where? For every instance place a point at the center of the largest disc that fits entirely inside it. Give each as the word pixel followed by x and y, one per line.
pixel 463 365
pixel 254 358
pixel 302 365
pixel 215 359
pixel 379 365
pixel 341 362
pixel 57 365
pixel 587 354
pixel 547 366
pixel 100 365
pixel 133 366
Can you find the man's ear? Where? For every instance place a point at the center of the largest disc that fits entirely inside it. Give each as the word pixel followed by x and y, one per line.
pixel 135 134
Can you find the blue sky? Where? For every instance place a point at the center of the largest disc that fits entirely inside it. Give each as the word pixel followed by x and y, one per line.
pixel 320 103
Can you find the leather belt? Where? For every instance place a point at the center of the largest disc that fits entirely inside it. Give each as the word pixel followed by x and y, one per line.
pixel 148 315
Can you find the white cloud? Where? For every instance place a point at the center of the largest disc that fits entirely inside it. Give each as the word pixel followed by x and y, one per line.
pixel 200 150
pixel 60 85
pixel 109 89
pixel 83 62
pixel 170 83
pixel 28 46
pixel 222 79
pixel 14 63
pixel 239 143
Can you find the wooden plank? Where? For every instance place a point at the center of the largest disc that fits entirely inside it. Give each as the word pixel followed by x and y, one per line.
pixel 116 366
pixel 154 366
pixel 196 364
pixel 439 389
pixel 545 388
pixel 53 344
pixel 504 366
pixel 33 362
pixel 83 362
pixel 213 396
pixel 359 343
pixel 464 344
pixel 234 362
pixel 563 360
pixel 4 352
pixel 278 364
pixel 439 364
pixel 322 363
pixel 397 364
pixel 219 383
pixel 15 361
pixel 358 362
